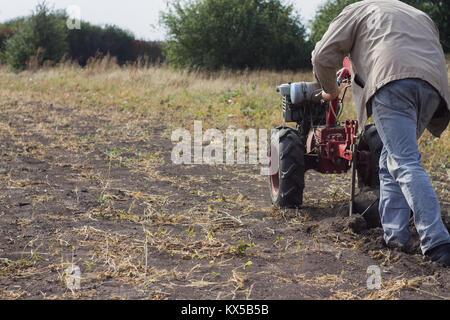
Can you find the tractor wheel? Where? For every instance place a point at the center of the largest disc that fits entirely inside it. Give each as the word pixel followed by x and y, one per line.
pixel 287 168
pixel 370 141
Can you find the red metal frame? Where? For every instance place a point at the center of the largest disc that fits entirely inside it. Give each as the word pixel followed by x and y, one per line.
pixel 330 148
pixel 331 113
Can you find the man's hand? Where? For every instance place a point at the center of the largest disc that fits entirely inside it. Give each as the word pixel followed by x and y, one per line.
pixel 331 96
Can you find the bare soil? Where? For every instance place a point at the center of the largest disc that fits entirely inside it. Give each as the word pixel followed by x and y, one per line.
pixel 97 189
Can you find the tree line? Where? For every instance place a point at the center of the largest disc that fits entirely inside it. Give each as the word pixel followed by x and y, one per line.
pixel 45 38
pixel 205 34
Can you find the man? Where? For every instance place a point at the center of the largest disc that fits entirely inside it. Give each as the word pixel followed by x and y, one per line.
pixel 400 77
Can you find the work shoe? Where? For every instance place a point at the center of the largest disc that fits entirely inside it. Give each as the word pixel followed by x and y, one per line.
pixel 440 254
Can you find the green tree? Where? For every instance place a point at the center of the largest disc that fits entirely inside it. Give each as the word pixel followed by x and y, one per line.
pixel 44 31
pixel 90 41
pixel 237 34
pixel 438 10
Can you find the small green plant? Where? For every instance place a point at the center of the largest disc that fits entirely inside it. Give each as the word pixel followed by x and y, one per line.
pixel 240 250
pixel 89 265
pixel 87 139
pixel 190 232
pixel 231 96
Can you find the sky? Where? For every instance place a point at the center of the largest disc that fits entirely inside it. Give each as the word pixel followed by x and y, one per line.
pixel 138 16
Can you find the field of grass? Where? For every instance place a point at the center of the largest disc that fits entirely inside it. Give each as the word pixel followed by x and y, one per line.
pixel 86 178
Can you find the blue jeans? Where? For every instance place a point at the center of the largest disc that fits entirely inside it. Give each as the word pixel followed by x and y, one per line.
pixel 401 110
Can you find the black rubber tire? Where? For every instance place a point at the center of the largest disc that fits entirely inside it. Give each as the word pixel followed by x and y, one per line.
pixel 370 141
pixel 286 185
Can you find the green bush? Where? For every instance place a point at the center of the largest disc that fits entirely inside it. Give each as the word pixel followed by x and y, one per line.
pixel 237 34
pixel 7 30
pixel 44 32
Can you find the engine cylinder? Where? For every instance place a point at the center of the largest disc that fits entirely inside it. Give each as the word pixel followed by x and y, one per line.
pixel 305 92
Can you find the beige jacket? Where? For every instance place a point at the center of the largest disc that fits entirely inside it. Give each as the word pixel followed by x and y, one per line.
pixel 387 40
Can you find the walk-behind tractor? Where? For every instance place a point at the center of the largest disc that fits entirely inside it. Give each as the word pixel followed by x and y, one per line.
pixel 319 142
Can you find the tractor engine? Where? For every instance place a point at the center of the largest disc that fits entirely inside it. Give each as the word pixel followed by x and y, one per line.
pixel 302 104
